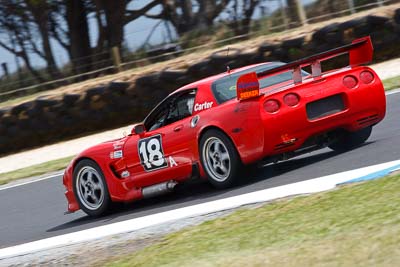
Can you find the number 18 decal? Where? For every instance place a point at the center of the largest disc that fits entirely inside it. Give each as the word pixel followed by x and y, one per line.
pixel 151 153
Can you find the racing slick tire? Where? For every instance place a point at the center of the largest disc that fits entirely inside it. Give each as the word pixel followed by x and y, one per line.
pixel 349 140
pixel 220 159
pixel 90 188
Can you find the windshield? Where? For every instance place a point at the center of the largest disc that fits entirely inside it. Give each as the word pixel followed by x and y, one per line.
pixel 224 89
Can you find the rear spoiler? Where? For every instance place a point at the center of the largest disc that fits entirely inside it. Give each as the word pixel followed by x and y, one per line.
pixel 360 52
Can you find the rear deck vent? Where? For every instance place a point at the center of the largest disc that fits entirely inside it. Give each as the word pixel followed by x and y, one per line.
pixel 368 120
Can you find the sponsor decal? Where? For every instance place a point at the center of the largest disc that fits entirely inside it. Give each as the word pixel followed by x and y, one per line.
pixel 125 174
pixel 116 154
pixel 151 153
pixel 118 145
pixel 247 86
pixel 203 106
pixel 172 162
pixel 194 121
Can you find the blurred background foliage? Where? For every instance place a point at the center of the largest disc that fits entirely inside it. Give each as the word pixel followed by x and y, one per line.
pixel 30 29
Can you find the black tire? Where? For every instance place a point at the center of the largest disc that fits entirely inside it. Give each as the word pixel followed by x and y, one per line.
pixel 90 188
pixel 220 159
pixel 349 140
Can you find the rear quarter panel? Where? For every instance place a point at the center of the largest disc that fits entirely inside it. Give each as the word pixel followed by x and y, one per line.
pixel 239 120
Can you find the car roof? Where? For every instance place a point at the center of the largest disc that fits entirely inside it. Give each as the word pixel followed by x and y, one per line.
pixel 211 79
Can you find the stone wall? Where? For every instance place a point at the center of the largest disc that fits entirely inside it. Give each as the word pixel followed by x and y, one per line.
pixel 43 121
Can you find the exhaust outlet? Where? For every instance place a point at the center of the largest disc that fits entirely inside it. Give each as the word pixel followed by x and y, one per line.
pixel 158 189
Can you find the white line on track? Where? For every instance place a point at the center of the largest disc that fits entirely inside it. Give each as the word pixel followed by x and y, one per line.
pixel 29 181
pixel 304 187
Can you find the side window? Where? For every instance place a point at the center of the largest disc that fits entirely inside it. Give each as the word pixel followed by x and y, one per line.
pixel 182 107
pixel 172 109
pixel 157 117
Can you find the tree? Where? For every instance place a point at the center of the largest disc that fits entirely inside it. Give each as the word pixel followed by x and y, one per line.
pixel 186 15
pixel 39 12
pixel 78 43
pixel 296 12
pixel 27 26
pixel 113 16
pixel 16 32
pixel 241 16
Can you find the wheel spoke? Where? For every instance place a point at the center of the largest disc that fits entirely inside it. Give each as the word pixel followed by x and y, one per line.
pixel 82 184
pixel 215 166
pixel 223 169
pixel 217 147
pixel 90 177
pixel 96 186
pixel 85 195
pixel 211 159
pixel 224 156
pixel 95 198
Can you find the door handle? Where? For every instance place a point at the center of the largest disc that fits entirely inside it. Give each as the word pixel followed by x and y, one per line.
pixel 178 128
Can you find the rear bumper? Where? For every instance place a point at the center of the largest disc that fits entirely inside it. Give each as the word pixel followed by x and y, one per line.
pixel 290 127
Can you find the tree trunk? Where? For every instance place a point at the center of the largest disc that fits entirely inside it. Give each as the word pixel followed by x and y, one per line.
pixel 205 14
pixel 40 12
pixel 185 22
pixel 80 50
pixel 241 17
pixel 115 13
pixel 292 12
pixel 184 17
pixel 51 63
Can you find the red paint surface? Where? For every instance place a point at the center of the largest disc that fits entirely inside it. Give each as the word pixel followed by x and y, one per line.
pixel 254 132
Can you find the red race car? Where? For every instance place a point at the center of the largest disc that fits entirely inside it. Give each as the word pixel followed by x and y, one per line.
pixel 213 127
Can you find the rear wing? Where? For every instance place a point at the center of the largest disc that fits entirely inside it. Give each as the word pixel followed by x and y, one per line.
pixel 360 52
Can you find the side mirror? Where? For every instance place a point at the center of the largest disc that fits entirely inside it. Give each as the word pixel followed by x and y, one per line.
pixel 138 128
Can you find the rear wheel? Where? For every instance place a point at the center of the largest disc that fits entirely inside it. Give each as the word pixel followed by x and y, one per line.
pixel 219 159
pixel 90 188
pixel 349 140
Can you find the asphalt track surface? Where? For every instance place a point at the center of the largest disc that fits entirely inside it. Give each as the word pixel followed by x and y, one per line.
pixel 35 211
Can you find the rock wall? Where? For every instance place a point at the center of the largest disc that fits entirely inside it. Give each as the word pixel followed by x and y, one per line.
pixel 44 121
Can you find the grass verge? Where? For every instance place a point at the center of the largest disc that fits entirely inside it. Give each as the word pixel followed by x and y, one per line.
pixel 35 170
pixel 391 83
pixel 356 225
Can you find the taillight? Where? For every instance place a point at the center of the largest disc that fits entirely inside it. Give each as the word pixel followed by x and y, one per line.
pixel 366 76
pixel 291 99
pixel 271 106
pixel 350 81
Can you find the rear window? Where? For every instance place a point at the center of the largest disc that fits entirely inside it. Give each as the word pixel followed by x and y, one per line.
pixel 224 89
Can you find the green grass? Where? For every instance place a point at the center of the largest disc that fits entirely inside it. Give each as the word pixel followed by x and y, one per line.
pixel 356 225
pixel 391 83
pixel 35 170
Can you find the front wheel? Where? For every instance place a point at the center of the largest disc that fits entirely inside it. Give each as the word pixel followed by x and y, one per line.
pixel 219 159
pixel 349 140
pixel 90 188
